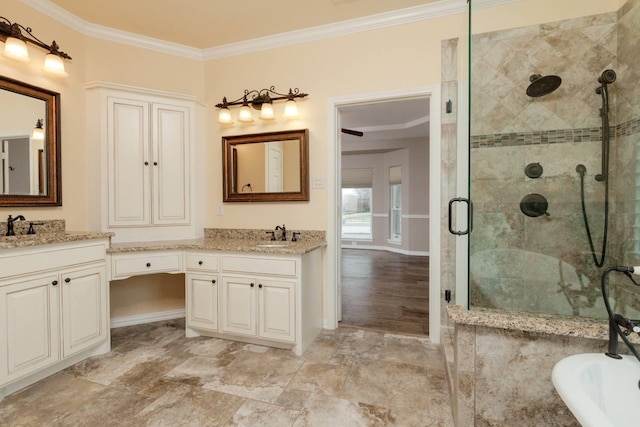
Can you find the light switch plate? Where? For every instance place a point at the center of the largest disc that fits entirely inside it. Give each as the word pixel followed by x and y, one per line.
pixel 317 181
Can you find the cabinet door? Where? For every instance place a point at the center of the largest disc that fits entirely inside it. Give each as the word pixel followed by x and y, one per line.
pixel 171 126
pixel 277 307
pixel 29 327
pixel 84 309
pixel 128 161
pixel 202 301
pixel 238 305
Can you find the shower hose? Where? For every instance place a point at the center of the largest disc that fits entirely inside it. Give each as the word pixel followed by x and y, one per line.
pixel 599 262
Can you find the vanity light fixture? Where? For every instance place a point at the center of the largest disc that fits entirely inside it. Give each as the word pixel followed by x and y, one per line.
pixel 16 37
pixel 38 131
pixel 261 100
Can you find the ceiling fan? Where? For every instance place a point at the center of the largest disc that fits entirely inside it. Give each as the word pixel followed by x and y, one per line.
pixel 352 132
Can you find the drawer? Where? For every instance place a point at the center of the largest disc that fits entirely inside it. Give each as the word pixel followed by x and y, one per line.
pixel 18 261
pixel 126 265
pixel 201 261
pixel 260 265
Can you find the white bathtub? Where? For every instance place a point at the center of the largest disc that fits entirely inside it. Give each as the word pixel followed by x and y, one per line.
pixel 600 391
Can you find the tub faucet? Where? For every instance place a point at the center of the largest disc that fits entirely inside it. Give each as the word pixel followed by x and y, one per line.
pixel 618 324
pixel 627 326
pixel 284 232
pixel 10 221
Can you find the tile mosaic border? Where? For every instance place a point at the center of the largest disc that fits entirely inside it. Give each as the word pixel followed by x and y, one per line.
pixel 557 136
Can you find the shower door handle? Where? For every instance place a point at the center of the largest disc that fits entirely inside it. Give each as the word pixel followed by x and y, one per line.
pixel 469 216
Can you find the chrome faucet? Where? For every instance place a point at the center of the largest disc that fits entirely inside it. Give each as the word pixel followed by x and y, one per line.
pixel 10 221
pixel 284 232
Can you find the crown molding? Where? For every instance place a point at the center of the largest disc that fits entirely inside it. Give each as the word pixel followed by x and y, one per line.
pixel 399 126
pixel 352 26
pixel 484 4
pixel 106 33
pixel 367 23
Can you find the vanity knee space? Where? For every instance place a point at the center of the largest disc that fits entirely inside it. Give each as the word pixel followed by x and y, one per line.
pixel 266 299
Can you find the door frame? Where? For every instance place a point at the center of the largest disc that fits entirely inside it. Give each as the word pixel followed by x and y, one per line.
pixel 332 297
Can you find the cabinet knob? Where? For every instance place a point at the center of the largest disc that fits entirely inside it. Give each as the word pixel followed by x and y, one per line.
pixel 252 285
pixel 146 163
pixel 54 283
pixel 260 285
pixel 155 163
pixel 213 281
pixel 67 280
pixel 148 264
pixel 200 262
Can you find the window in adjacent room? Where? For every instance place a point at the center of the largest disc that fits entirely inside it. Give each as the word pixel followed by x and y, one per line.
pixel 357 195
pixel 395 204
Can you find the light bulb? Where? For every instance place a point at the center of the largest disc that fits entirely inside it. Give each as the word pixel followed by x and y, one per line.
pixel 224 116
pixel 290 109
pixel 266 113
pixel 245 115
pixel 15 48
pixel 38 131
pixel 53 65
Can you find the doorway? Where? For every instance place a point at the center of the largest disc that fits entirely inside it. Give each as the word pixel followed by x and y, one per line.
pixel 372 141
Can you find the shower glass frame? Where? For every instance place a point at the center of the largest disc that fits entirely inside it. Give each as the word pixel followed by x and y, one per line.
pixel 543 264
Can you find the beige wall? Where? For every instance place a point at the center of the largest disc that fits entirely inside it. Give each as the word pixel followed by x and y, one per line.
pixel 291 165
pixel 380 60
pixel 533 12
pixel 250 167
pixel 387 59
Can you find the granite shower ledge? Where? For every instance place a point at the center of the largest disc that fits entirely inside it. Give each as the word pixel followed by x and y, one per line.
pixel 28 240
pixel 532 322
pixel 221 245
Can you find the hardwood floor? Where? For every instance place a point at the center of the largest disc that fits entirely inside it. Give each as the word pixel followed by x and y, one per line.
pixel 385 291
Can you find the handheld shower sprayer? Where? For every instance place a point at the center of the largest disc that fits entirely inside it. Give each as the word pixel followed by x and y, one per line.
pixel 607 77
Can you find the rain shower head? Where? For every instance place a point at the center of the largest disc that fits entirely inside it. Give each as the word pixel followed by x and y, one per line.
pixel 542 85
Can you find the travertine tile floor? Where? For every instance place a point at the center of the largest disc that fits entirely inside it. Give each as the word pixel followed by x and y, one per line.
pixel 154 376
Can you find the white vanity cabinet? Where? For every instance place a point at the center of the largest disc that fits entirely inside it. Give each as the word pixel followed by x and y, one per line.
pixel 127 264
pixel 54 309
pixel 271 299
pixel 202 291
pixel 30 329
pixel 202 301
pixel 259 307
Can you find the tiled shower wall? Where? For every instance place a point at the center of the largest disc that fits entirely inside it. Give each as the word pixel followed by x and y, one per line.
pixel 544 264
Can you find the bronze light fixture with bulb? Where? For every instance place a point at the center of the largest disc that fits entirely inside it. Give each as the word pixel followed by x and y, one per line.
pixel 16 37
pixel 261 100
pixel 38 131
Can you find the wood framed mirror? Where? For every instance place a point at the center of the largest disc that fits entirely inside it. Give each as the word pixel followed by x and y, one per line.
pixel 29 161
pixel 266 167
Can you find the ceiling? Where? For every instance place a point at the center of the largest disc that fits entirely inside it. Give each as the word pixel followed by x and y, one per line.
pixel 203 24
pixel 209 23
pixel 386 120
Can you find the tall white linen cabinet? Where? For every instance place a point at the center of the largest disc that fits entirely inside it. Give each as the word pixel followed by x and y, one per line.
pixel 144 150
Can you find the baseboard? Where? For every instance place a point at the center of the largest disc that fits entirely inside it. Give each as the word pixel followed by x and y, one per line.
pixel 385 248
pixel 139 319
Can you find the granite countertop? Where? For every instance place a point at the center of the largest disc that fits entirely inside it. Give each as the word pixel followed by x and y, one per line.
pixel 26 240
pixel 533 322
pixel 223 245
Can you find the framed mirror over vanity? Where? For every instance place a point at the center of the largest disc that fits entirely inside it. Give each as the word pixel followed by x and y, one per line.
pixel 266 167
pixel 29 145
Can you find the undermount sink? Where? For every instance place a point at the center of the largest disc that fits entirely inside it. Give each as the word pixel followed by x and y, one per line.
pixel 600 391
pixel 272 245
